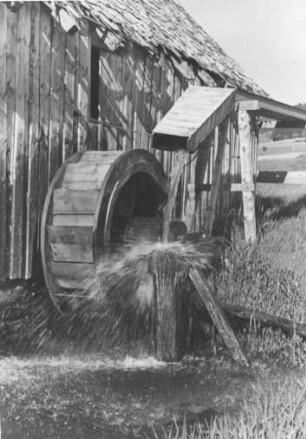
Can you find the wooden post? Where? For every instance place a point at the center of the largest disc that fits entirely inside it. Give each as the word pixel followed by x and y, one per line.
pixel 216 179
pixel 248 189
pixel 170 307
pixel 218 317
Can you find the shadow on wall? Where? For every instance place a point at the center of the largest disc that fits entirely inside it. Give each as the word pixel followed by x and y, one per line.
pixel 135 91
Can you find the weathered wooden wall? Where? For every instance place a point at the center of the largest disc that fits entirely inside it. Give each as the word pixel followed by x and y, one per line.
pixel 44 81
pixel 45 118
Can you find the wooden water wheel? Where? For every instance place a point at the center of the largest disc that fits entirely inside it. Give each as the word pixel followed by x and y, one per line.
pixel 89 206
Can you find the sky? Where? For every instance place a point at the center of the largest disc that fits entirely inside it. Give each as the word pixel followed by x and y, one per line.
pixel 266 37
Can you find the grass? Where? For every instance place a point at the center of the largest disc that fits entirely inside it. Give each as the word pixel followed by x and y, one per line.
pixel 269 276
pixel 276 411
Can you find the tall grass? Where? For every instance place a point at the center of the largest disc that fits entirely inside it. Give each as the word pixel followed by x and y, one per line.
pixel 269 276
pixel 276 411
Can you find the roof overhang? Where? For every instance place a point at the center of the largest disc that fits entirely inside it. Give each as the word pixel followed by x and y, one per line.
pixel 200 110
pixel 269 108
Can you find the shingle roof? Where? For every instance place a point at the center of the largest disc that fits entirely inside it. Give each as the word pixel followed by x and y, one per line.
pixel 164 24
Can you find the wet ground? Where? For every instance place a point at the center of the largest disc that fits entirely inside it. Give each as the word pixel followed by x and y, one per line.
pixel 95 397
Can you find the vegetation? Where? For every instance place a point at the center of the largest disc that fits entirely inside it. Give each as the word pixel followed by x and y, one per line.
pixel 269 276
pixel 276 412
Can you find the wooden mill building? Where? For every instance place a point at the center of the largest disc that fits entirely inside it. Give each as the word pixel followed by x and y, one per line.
pixel 101 75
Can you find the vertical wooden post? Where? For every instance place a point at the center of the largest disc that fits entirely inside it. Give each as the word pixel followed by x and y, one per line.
pixel 247 182
pixel 216 179
pixel 170 309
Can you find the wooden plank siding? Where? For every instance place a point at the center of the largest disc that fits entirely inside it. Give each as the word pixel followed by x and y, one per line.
pixel 44 78
pixel 20 150
pixel 10 121
pixel 3 142
pixel 83 88
pixel 45 51
pixel 32 210
pixel 70 120
pixel 57 95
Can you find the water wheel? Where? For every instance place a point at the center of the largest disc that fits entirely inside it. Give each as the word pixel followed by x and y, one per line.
pixel 91 203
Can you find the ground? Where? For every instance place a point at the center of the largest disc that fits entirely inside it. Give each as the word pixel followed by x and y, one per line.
pixel 62 394
pixel 99 398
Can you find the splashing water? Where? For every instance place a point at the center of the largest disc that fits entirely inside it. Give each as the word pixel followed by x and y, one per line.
pixel 119 299
pixel 113 314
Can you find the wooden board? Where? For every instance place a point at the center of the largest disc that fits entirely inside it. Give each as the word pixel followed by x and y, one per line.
pixel 269 107
pixel 72 275
pixel 107 100
pixel 45 91
pixel 73 220
pixel 138 97
pixel 70 235
pixel 32 208
pixel 127 84
pixel 83 202
pixel 71 65
pixel 20 146
pixel 77 173
pixel 3 141
pixel 120 119
pixel 83 86
pixel 218 317
pixel 195 115
pixel 82 185
pixel 100 156
pixel 11 114
pixel 210 213
pixel 248 196
pixel 285 177
pixel 72 253
pixel 56 100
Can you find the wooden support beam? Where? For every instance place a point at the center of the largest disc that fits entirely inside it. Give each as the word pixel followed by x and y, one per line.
pixel 286 325
pixel 248 196
pixel 170 307
pixel 216 180
pixel 246 187
pixel 217 315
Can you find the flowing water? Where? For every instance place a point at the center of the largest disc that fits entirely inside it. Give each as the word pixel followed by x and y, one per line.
pixel 119 299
